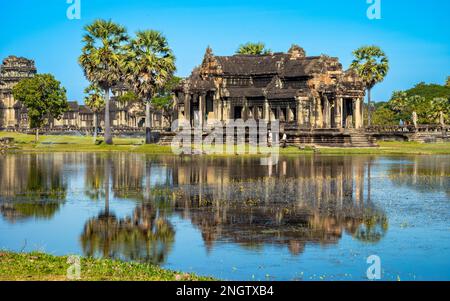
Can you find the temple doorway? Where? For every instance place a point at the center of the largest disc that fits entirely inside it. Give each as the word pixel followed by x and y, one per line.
pixel 347 113
pixel 195 115
pixel 209 104
pixel 333 116
pixel 141 122
pixel 237 114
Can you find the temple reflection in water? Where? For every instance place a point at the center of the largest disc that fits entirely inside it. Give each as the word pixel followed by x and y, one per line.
pixel 302 200
pixel 307 199
pixel 32 186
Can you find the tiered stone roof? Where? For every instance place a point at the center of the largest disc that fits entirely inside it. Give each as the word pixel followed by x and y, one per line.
pixel 287 75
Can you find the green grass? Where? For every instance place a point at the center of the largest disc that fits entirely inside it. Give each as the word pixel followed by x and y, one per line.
pixel 44 267
pixel 25 143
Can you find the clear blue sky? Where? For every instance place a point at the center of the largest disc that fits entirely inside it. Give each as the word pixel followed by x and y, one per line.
pixel 414 33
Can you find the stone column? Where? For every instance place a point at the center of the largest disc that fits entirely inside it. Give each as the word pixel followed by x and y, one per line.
pixel 288 114
pixel 245 109
pixel 357 113
pixel 201 107
pixel 318 112
pixel 226 110
pixel 300 118
pixel 178 98
pixel 219 110
pixel 327 112
pixel 10 113
pixel 187 106
pixel 361 106
pixel 338 109
pixel 266 110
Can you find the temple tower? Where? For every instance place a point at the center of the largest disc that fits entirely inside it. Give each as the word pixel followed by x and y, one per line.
pixel 13 70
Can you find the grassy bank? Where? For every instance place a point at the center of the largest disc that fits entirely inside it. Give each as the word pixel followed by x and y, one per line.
pixel 43 267
pixel 25 143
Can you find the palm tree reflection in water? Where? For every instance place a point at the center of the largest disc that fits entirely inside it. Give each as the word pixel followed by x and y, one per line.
pixel 145 236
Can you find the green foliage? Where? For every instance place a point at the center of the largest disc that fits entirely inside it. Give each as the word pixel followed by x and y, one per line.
pixel 253 49
pixel 447 83
pixel 40 266
pixel 43 96
pixel 429 91
pixel 149 63
pixel 383 115
pixel 95 98
pixel 427 100
pixel 164 100
pixel 371 64
pixel 102 53
pixel 129 96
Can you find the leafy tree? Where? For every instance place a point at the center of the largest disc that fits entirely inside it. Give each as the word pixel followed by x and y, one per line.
pixel 447 83
pixel 429 91
pixel 384 115
pixel 164 100
pixel 253 49
pixel 44 98
pixel 400 106
pixel 101 59
pixel 95 100
pixel 129 96
pixel 149 65
pixel 427 100
pixel 421 106
pixel 438 105
pixel 372 65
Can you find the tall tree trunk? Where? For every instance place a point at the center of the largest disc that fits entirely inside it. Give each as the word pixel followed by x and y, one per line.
pixel 108 136
pixel 369 100
pixel 36 137
pixel 148 123
pixel 95 125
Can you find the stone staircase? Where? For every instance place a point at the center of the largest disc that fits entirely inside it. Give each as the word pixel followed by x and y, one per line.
pixel 360 139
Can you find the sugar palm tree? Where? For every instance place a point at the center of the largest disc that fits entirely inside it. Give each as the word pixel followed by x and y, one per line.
pixel 96 102
pixel 253 49
pixel 101 60
pixel 372 65
pixel 149 65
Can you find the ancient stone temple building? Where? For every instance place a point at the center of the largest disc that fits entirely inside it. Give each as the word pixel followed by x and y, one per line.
pixel 13 70
pixel 13 114
pixel 303 91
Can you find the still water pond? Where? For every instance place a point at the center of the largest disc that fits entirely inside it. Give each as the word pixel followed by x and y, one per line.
pixel 307 218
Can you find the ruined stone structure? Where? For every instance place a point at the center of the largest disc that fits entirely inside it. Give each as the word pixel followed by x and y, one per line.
pixel 13 115
pixel 307 92
pixel 13 70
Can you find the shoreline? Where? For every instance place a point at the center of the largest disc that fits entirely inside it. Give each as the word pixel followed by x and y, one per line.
pixel 49 144
pixel 36 266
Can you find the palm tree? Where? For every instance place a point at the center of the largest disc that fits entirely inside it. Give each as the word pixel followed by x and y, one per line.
pixel 372 65
pixel 149 65
pixel 253 49
pixel 96 102
pixel 101 60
